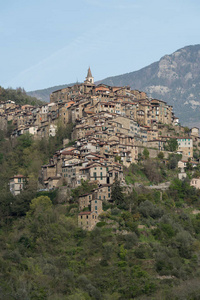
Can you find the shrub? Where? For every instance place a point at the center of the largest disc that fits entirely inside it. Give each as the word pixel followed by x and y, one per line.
pixel 160 155
pixel 131 240
pixel 148 209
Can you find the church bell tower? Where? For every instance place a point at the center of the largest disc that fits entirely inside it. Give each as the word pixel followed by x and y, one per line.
pixel 89 77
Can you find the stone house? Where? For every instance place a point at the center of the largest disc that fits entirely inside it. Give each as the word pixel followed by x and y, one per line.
pixel 96 206
pixel 53 182
pixel 194 131
pixel 70 173
pixel 183 163
pixel 95 172
pixel 47 171
pixel 52 130
pixel 152 134
pixel 161 112
pixel 65 112
pixel 182 175
pixel 87 219
pixel 185 146
pixel 103 192
pixel 17 183
pixel 195 182
pixel 114 173
pixel 84 200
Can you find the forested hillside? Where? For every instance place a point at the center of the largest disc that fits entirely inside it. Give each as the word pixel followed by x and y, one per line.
pixel 25 156
pixel 146 245
pixel 19 96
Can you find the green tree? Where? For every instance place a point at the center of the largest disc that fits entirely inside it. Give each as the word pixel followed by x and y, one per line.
pixel 160 155
pixel 84 188
pixel 171 145
pixel 186 129
pixel 131 200
pixel 146 153
pixel 39 205
pixel 117 195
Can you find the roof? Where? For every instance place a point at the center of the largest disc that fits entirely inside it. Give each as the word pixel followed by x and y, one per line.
pixel 18 176
pixel 89 74
pixel 85 213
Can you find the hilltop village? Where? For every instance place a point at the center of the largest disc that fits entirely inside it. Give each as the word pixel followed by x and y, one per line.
pixel 112 127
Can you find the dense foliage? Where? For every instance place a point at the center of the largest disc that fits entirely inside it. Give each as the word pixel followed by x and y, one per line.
pixel 24 155
pixel 150 252
pixel 19 96
pixel 146 245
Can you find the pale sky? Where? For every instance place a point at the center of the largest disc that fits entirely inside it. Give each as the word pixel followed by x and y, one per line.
pixel 44 43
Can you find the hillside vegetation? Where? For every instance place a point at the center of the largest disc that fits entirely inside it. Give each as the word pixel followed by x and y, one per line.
pixel 19 96
pixel 146 245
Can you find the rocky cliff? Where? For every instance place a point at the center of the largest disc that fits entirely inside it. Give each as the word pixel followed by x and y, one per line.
pixel 174 78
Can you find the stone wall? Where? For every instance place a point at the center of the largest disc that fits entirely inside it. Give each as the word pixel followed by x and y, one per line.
pixel 153 153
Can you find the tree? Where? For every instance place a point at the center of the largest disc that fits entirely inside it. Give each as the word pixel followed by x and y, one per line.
pixel 160 155
pixel 186 129
pixel 117 195
pixel 131 199
pixel 84 188
pixel 118 158
pixel 171 145
pixel 172 164
pixel 152 171
pixel 146 153
pixel 39 204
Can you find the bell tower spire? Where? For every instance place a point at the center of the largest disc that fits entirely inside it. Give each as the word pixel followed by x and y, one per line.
pixel 89 76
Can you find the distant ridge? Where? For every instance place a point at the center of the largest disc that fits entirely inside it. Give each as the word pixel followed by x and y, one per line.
pixel 175 78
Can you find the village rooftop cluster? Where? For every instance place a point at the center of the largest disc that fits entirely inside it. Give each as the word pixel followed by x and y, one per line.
pixel 112 127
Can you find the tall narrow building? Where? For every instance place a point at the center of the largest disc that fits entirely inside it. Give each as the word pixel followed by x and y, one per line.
pixel 89 77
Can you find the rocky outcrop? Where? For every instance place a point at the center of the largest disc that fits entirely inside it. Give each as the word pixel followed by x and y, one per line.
pixel 175 79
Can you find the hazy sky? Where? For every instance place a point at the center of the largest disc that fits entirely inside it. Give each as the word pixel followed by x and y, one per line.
pixel 44 43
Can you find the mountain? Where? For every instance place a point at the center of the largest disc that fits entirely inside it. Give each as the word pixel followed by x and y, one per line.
pixel 175 78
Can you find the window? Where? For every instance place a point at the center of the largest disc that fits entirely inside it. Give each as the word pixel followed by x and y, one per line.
pixel 95 207
pixel 95 201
